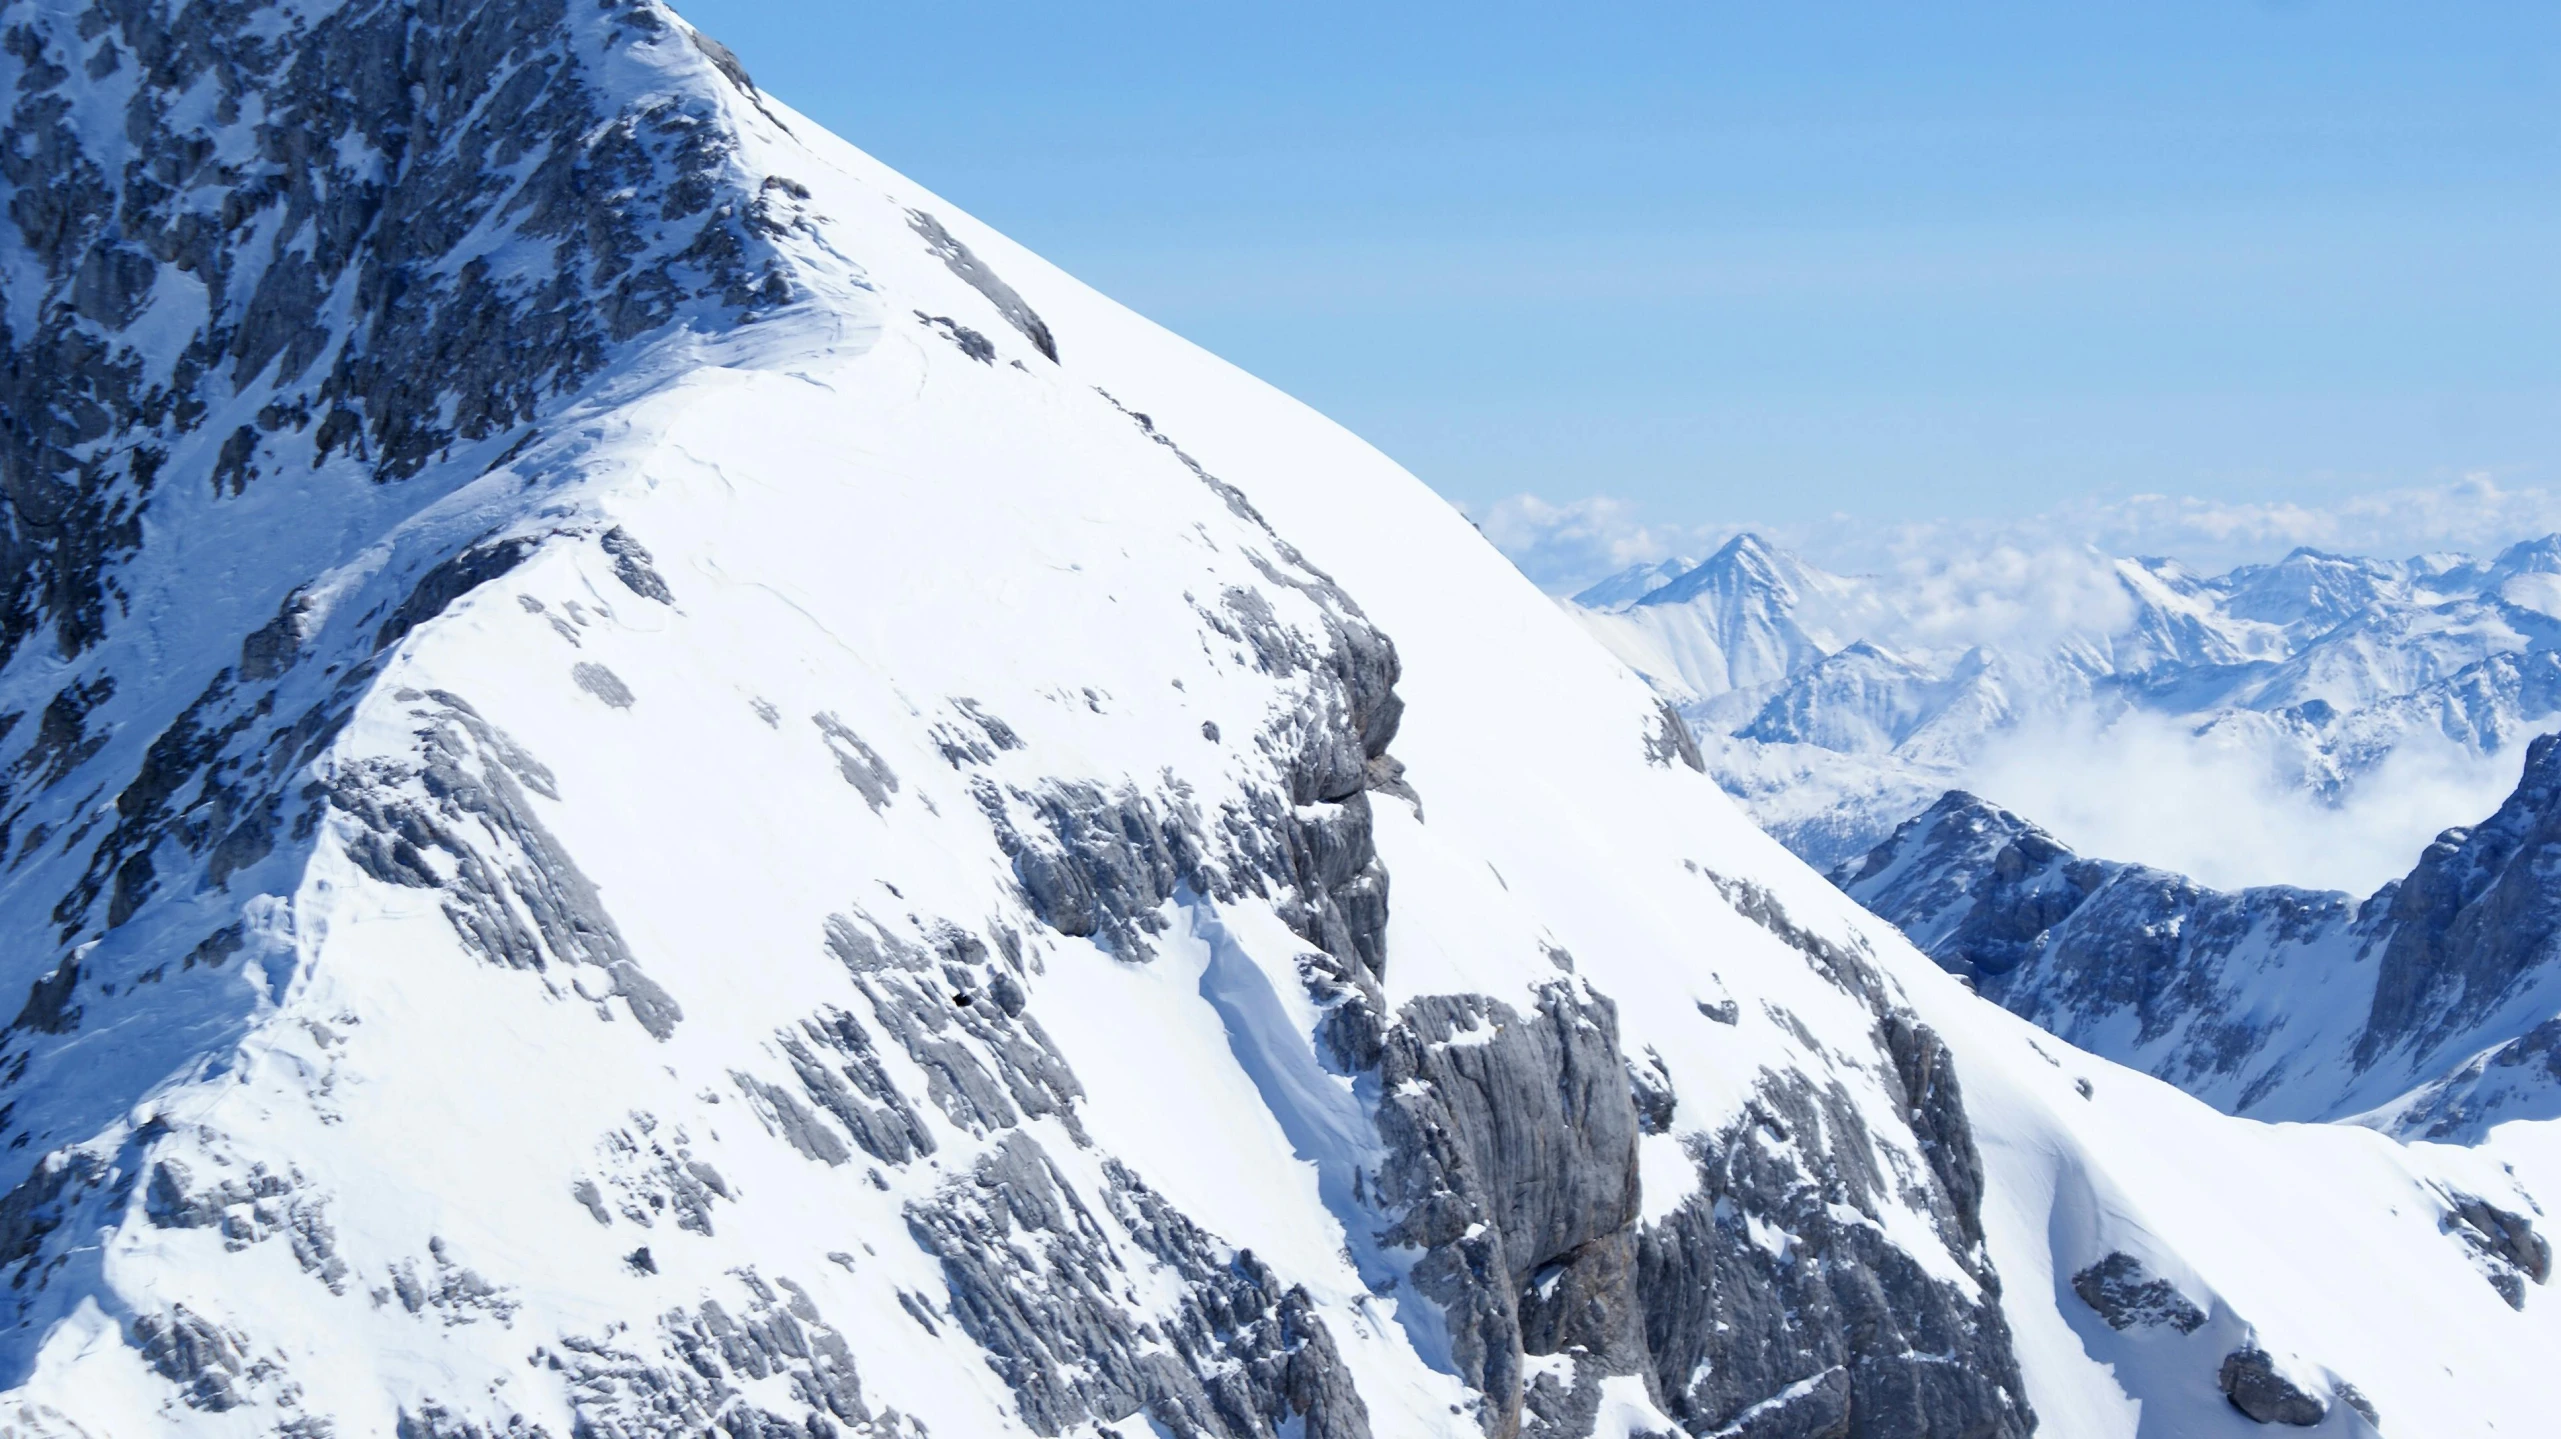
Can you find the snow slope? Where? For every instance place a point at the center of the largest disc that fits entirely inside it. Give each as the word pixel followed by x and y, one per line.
pixel 893 849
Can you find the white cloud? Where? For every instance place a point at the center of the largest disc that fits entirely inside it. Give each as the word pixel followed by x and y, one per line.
pixel 2223 812
pixel 1567 546
pixel 2473 515
pixel 1564 546
pixel 2010 596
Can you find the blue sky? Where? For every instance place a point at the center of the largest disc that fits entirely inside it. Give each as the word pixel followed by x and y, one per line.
pixel 1721 261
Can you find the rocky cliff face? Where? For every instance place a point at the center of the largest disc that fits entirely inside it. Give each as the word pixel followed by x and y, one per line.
pixel 659 787
pixel 2427 1003
pixel 263 239
pixel 2474 921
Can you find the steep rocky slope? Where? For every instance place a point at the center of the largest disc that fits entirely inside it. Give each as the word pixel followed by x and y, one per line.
pixel 655 786
pixel 2429 1007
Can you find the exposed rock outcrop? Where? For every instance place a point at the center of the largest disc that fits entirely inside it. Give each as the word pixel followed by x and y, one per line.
pixel 2428 1005
pixel 2471 921
pixel 2252 1381
pixel 2127 1296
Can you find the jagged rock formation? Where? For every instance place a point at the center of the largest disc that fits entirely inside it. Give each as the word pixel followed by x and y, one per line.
pixel 2119 1291
pixel 2430 1004
pixel 655 786
pixel 2250 1379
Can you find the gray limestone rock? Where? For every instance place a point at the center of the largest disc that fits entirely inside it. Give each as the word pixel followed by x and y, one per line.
pixel 841 1072
pixel 603 683
pixel 203 1361
pixel 969 267
pixel 419 233
pixel 973 344
pixel 272 648
pixel 2155 970
pixel 1511 1164
pixel 2128 1297
pixel 986 1066
pixel 2249 1378
pixel 648 1172
pixel 1098 864
pixel 724 60
pixel 1827 1333
pixel 451 579
pixel 1672 740
pixel 50 1008
pixel 41 1204
pixel 2505 1241
pixel 1033 1277
pixel 333 191
pixel 248 1209
pixel 858 762
pixel 1832 1331
pixel 767 1365
pixel 635 566
pixel 514 895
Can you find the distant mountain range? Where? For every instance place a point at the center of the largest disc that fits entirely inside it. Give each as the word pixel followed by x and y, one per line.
pixel 652 786
pixel 2427 1009
pixel 1836 707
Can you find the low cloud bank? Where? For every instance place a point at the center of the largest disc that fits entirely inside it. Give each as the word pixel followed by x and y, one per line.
pixel 2225 811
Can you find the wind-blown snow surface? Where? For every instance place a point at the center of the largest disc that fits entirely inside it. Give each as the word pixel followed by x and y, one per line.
pixel 861 861
pixel 2308 722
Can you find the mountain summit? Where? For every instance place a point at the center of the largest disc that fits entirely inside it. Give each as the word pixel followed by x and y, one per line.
pixel 656 786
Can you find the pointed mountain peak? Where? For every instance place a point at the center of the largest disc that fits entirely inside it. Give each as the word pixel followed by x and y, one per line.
pixel 2536 556
pixel 1927 864
pixel 1632 584
pixel 1745 564
pixel 1867 652
pixel 1749 548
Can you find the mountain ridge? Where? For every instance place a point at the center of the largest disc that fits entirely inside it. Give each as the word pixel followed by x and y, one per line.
pixel 2317 671
pixel 914 853
pixel 2392 1009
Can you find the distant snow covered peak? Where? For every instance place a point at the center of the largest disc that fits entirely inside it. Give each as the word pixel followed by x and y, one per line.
pixel 1633 583
pixel 1739 621
pixel 1858 700
pixel 2315 682
pixel 1747 571
pixel 2308 593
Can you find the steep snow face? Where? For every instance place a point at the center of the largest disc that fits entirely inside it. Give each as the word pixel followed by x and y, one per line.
pixel 2312 674
pixel 896 850
pixel 2428 1009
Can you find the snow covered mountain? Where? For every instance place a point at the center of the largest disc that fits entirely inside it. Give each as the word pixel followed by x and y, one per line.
pixel 1837 707
pixel 656 786
pixel 2430 1009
